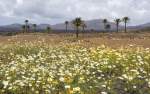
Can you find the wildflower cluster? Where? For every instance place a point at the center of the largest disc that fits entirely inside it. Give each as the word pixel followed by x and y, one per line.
pixel 30 69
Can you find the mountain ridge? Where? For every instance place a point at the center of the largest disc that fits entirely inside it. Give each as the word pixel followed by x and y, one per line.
pixel 95 24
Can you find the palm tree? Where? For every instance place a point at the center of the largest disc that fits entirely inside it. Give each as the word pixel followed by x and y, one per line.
pixel 105 21
pixel 48 29
pixel 34 27
pixel 23 28
pixel 26 25
pixel 108 27
pixel 77 23
pixel 66 23
pixel 125 20
pixel 117 21
pixel 28 28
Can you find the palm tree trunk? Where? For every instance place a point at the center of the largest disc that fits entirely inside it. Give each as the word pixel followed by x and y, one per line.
pixel 125 27
pixel 35 29
pixel 66 28
pixel 26 28
pixel 117 29
pixel 77 33
pixel 104 28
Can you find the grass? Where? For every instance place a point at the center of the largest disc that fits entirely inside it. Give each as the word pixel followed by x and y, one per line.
pixel 46 65
pixel 89 39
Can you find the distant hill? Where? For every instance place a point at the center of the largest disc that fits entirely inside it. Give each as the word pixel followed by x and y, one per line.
pixel 144 25
pixel 18 27
pixel 140 27
pixel 96 24
pixel 12 27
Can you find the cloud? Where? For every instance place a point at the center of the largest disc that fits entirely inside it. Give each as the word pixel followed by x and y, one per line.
pixel 55 11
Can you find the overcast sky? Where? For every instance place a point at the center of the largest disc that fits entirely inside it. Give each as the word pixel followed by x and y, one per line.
pixel 56 11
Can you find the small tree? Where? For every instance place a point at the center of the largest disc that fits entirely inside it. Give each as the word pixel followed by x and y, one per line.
pixel 77 23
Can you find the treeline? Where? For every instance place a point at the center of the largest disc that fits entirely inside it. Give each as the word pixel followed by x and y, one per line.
pixel 78 24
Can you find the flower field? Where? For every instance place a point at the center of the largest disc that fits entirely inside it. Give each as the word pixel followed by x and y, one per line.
pixel 72 69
